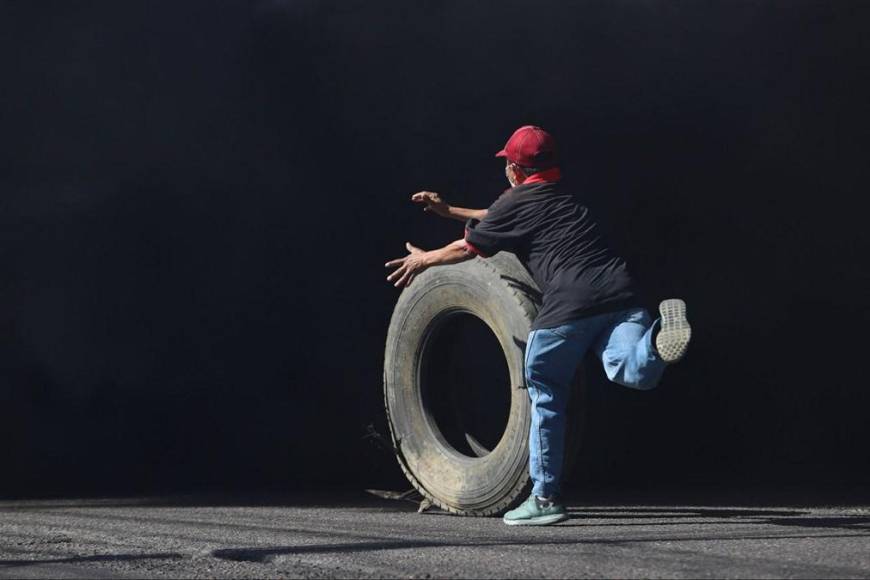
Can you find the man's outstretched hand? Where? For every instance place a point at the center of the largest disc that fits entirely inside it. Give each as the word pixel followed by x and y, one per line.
pixel 408 267
pixel 433 202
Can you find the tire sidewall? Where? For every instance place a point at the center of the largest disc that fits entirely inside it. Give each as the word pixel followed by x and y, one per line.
pixel 454 481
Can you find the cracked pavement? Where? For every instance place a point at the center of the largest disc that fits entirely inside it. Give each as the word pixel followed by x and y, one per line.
pixel 354 535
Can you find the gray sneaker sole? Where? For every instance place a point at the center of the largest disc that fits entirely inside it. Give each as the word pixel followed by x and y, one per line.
pixel 538 521
pixel 675 333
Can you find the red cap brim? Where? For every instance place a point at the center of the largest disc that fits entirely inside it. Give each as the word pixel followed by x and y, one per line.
pixel 501 153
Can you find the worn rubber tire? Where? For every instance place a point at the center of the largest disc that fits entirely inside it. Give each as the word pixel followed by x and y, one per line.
pixel 500 292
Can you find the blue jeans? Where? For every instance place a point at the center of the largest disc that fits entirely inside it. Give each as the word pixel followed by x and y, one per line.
pixel 623 342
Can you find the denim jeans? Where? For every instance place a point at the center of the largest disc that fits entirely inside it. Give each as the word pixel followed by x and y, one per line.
pixel 622 341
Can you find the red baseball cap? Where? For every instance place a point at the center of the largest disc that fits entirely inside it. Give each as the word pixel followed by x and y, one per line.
pixel 530 146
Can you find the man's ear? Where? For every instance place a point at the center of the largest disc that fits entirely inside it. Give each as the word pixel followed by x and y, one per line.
pixel 518 172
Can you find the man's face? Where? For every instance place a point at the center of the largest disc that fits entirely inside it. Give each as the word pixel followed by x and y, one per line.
pixel 514 174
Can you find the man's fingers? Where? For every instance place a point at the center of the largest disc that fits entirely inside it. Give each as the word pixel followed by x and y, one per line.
pixel 403 281
pixel 396 274
pixel 412 249
pixel 396 262
pixel 425 197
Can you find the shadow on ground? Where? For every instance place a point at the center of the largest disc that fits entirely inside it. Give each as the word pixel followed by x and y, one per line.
pixel 86 559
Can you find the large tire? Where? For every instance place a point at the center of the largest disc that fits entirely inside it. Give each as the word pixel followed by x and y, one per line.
pixel 428 321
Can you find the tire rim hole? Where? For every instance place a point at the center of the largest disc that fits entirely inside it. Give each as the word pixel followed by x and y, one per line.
pixel 465 384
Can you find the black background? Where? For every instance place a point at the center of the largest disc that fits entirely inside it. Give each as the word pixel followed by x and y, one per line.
pixel 197 199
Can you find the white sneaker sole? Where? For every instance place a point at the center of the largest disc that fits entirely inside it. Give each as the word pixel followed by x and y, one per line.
pixel 675 333
pixel 538 521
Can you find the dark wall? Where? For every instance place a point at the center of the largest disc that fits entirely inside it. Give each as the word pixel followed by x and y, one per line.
pixel 198 198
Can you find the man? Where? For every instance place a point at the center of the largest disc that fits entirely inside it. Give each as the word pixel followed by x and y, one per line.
pixel 589 301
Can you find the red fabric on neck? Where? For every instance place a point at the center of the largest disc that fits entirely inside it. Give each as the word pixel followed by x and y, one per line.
pixel 548 175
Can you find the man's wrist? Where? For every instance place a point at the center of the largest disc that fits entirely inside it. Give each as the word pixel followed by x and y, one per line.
pixel 430 258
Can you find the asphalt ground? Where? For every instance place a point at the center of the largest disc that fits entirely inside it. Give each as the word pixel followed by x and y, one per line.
pixel 360 536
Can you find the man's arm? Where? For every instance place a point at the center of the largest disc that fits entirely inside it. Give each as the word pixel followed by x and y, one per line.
pixel 418 260
pixel 462 214
pixel 435 204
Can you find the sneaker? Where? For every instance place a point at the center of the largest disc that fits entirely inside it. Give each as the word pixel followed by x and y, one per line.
pixel 536 512
pixel 673 337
